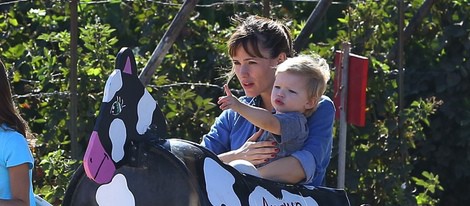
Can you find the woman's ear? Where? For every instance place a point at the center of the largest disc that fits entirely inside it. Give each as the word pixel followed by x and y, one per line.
pixel 281 57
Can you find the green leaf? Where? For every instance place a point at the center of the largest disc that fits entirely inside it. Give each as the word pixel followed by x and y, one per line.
pixel 15 52
pixel 16 76
pixel 342 20
pixel 40 121
pixel 93 71
pixel 13 22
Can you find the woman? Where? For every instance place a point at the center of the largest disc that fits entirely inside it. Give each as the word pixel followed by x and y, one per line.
pixel 256 47
pixel 16 160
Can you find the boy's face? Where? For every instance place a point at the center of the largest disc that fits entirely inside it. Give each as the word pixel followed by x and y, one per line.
pixel 289 93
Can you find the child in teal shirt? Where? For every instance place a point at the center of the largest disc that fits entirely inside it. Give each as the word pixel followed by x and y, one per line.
pixel 16 160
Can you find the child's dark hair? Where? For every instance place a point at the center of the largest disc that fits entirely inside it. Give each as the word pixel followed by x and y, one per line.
pixel 8 112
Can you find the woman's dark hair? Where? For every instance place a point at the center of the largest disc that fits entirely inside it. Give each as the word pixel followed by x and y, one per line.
pixel 254 33
pixel 8 112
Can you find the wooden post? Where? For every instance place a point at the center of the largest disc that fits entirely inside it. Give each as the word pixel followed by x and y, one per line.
pixel 167 40
pixel 73 80
pixel 312 23
pixel 414 23
pixel 266 8
pixel 401 105
pixel 343 114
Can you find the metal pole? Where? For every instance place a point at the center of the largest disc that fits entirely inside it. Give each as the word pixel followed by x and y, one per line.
pixel 346 46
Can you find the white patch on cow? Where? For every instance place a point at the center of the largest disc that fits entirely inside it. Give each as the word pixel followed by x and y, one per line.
pixel 115 193
pixel 261 196
pixel 145 109
pixel 245 167
pixel 113 84
pixel 117 134
pixel 219 184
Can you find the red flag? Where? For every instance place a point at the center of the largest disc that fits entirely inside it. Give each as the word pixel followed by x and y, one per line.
pixel 357 83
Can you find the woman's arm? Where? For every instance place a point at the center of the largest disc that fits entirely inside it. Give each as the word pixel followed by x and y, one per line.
pixel 252 151
pixel 286 170
pixel 19 184
pixel 232 137
pixel 217 139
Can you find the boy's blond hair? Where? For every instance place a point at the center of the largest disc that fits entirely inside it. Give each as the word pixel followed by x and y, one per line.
pixel 315 69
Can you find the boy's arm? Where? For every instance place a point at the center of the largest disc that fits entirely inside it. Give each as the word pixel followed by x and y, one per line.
pixel 260 117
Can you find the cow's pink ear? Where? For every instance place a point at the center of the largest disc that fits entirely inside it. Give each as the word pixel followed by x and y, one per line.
pixel 128 66
pixel 125 61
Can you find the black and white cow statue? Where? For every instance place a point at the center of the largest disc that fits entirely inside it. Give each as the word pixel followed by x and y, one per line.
pixel 130 162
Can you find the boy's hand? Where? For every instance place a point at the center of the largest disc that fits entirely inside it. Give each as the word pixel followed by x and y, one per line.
pixel 229 101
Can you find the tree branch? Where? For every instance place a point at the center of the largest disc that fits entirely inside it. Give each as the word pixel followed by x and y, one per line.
pixel 412 26
pixel 312 24
pixel 167 40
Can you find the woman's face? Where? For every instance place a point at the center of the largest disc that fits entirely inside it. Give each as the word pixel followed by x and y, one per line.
pixel 256 74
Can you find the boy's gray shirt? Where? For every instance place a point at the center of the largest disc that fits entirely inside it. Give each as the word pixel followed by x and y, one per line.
pixel 294 131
